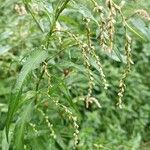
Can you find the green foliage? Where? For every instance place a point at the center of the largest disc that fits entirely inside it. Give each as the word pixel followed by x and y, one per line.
pixel 35 59
pixel 66 66
pixel 20 127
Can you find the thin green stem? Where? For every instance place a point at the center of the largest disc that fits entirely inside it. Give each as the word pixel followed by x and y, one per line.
pixel 58 11
pixel 33 16
pixel 37 86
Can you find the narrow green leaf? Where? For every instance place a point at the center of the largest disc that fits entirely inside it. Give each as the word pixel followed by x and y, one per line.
pixel 32 62
pixel 141 27
pixel 84 11
pixel 25 117
pixel 135 32
pixel 5 144
pixel 13 104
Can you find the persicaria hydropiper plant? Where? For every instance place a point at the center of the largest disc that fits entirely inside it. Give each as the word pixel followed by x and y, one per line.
pixel 65 52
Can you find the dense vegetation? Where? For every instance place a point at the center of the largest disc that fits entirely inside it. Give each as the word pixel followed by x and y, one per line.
pixel 74 74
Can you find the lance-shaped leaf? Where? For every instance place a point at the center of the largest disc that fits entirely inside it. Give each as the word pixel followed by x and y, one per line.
pixel 32 63
pixel 25 117
pixel 37 57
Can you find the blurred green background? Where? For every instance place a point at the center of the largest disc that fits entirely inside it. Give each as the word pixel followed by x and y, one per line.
pixel 109 127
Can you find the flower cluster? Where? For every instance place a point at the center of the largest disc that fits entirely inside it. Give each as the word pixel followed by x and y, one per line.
pixel 49 125
pixel 122 84
pixel 72 118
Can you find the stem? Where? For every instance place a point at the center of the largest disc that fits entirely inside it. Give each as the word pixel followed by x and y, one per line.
pixel 37 86
pixel 33 16
pixel 58 11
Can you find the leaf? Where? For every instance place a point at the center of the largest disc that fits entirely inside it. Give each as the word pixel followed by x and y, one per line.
pixel 42 143
pixel 4 49
pixel 134 31
pixel 5 144
pixel 117 56
pixel 61 87
pixel 60 141
pixel 13 104
pixel 141 27
pixel 25 117
pixel 66 64
pixel 32 62
pixel 84 11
